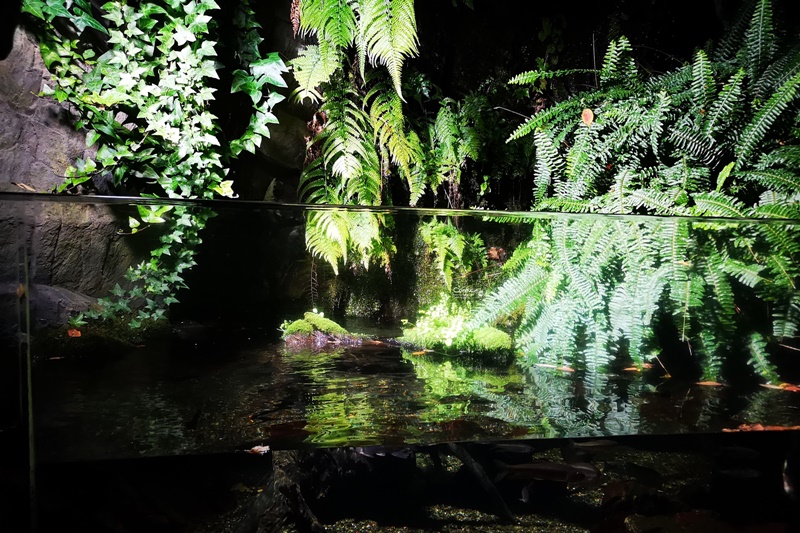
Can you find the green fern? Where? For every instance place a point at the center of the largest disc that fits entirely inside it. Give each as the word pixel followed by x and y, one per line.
pixel 618 65
pixel 332 21
pixel 387 34
pixel 767 115
pixel 703 84
pixel 314 67
pixel 760 39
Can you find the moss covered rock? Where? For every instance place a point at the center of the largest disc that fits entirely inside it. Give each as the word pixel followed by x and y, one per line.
pixel 325 325
pixel 316 331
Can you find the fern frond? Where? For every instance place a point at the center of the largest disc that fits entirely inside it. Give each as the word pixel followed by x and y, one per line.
pixel 656 202
pixel 727 100
pixel 787 318
pixel 509 296
pixel 731 43
pixel 567 205
pixel 777 73
pixel 388 34
pixel 777 179
pixel 717 204
pixel 332 21
pixel 533 76
pixel 567 107
pixel 703 84
pixel 618 65
pixel 748 274
pixel 780 207
pixel 758 128
pixel 700 147
pixel 788 156
pixel 388 122
pixel 549 165
pixel 759 358
pixel 327 234
pixel 364 187
pixel 314 66
pixel 760 40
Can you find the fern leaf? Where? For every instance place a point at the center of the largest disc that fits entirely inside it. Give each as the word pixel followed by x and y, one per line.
pixel 727 100
pixel 549 164
pixel 777 73
pixel 618 65
pixel 532 76
pixel 388 122
pixel 748 274
pixel 717 204
pixel 332 21
pixel 787 319
pixel 777 179
pixel 509 295
pixel 759 358
pixel 758 128
pixel 760 39
pixel 314 66
pixel 703 85
pixel 388 31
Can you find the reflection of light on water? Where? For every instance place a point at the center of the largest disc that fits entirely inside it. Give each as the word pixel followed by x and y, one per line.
pixel 144 404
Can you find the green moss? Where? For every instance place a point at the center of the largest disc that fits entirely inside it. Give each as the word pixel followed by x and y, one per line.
pixel 325 325
pixel 491 339
pixel 298 327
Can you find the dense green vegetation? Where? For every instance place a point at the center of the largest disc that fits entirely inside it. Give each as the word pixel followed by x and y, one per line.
pixel 142 78
pixel 715 139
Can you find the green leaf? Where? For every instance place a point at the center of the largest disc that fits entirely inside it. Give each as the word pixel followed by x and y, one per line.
pixel 723 175
pixel 270 70
pixel 91 138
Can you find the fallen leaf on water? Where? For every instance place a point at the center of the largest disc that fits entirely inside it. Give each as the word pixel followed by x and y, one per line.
pixel 73 332
pixel 782 386
pixel 24 186
pixel 21 290
pixel 554 367
pixel 709 383
pixel 258 450
pixel 760 427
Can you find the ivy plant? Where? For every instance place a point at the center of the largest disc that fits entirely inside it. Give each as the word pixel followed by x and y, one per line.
pixel 141 77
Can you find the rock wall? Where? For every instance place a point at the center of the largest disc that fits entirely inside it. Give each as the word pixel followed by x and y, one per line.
pixel 74 250
pixel 37 139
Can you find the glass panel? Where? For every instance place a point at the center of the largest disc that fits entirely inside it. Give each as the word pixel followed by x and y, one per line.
pixel 621 325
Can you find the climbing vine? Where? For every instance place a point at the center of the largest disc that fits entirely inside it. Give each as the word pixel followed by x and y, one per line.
pixel 141 78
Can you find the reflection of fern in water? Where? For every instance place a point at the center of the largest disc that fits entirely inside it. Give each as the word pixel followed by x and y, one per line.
pixel 711 139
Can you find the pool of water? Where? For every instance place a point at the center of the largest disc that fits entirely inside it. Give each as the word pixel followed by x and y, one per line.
pixel 172 398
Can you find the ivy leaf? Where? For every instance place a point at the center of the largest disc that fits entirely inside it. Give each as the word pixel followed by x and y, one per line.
pixel 91 138
pixel 106 155
pixel 49 54
pixel 183 35
pixel 225 188
pixel 83 20
pixel 33 7
pixel 208 69
pixel 270 69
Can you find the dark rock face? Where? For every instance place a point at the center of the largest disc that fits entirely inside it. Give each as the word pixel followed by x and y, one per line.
pixel 74 256
pixel 37 140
